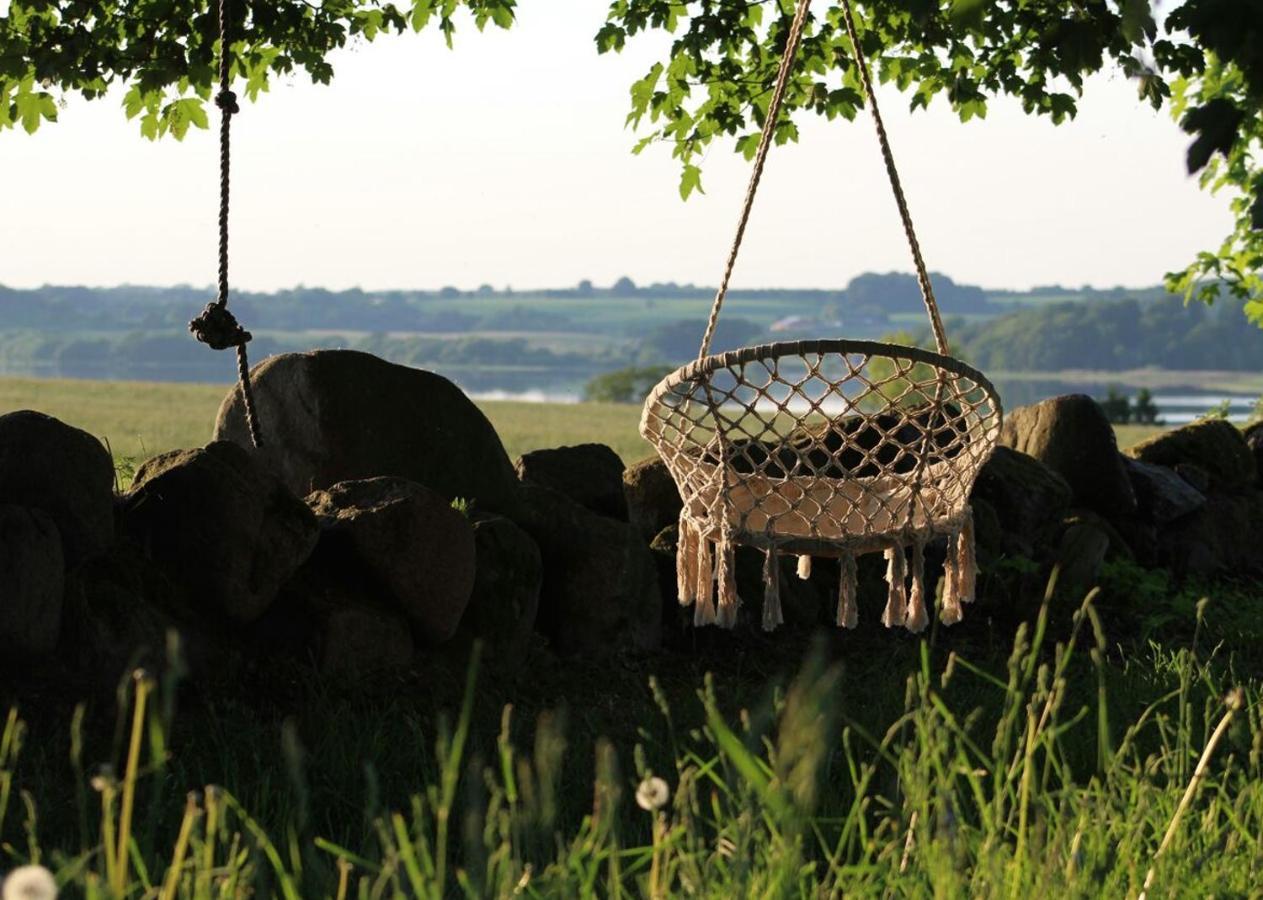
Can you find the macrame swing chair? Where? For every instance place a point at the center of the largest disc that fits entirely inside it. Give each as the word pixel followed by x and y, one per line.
pixel 830 448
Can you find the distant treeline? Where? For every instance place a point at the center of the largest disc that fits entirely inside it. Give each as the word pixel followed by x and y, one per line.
pixel 174 356
pixel 1114 335
pixel 53 308
pixel 138 332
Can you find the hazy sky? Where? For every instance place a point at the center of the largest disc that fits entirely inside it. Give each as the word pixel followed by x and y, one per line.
pixel 506 161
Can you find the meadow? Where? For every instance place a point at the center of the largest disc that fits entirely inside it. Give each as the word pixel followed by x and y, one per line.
pixel 1053 759
pixel 140 419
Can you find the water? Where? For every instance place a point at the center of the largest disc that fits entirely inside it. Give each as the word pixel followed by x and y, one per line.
pixel 1176 405
pixel 1173 409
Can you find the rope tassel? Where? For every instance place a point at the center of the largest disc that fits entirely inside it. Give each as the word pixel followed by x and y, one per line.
pixel 686 563
pixel 950 612
pixel 772 615
pixel 896 577
pixel 704 610
pixel 918 616
pixel 848 609
pixel 728 599
pixel 966 560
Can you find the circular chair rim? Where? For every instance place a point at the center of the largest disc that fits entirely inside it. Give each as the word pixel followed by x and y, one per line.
pixel 699 368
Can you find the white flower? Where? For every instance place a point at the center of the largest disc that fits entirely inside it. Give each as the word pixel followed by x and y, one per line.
pixel 29 883
pixel 652 794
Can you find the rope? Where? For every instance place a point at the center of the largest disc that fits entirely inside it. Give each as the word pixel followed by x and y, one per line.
pixel 765 140
pixel 765 143
pixel 923 277
pixel 216 326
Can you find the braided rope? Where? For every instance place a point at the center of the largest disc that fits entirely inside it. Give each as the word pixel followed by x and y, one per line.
pixel 216 326
pixel 896 185
pixel 918 261
pixel 892 172
pixel 760 159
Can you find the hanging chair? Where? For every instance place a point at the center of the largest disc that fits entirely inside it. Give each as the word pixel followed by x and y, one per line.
pixel 830 447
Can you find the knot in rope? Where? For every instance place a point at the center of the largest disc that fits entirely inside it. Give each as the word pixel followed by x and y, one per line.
pixel 227 101
pixel 218 328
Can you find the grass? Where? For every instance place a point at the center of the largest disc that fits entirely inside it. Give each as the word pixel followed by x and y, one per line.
pixel 1130 435
pixel 140 419
pixel 135 419
pixel 1071 765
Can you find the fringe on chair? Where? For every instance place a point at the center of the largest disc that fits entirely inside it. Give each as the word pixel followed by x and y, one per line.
pixel 772 615
pixel 848 609
pixel 896 612
pixel 949 606
pixel 686 563
pixel 704 610
pixel 918 617
pixel 804 567
pixel 728 600
pixel 966 560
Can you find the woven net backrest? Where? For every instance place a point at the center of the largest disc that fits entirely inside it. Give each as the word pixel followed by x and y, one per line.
pixel 824 447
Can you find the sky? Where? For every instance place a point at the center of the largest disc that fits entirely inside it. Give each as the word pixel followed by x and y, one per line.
pixel 507 162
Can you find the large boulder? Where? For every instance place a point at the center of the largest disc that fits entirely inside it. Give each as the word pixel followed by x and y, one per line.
pixel 359 638
pixel 1162 495
pixel 330 615
pixel 1082 549
pixel 1027 497
pixel 653 500
pixel 505 600
pixel 1221 538
pixel 32 583
pixel 589 474
pixel 600 590
pixel 221 526
pixel 1253 434
pixel 123 610
pixel 1072 436
pixel 1215 445
pixel 49 465
pixel 341 415
pixel 409 540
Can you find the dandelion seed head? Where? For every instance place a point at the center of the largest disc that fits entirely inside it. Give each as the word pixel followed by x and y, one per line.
pixel 29 883
pixel 652 794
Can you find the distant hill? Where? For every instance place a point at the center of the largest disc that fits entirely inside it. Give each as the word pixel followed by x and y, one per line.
pixel 503 338
pixel 1160 331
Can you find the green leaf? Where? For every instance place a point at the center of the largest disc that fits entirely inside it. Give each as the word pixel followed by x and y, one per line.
pixel 133 102
pixel 33 108
pixel 422 10
pixel 690 180
pixel 968 13
pixel 1214 125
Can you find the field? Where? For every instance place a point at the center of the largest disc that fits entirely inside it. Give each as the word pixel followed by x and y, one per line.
pixel 140 419
pixel 1063 745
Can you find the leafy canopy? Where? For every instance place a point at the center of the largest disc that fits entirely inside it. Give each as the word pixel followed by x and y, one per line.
pixel 1204 60
pixel 165 51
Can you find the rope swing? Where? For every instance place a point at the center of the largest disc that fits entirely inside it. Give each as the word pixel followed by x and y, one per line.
pixel 216 326
pixel 827 447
